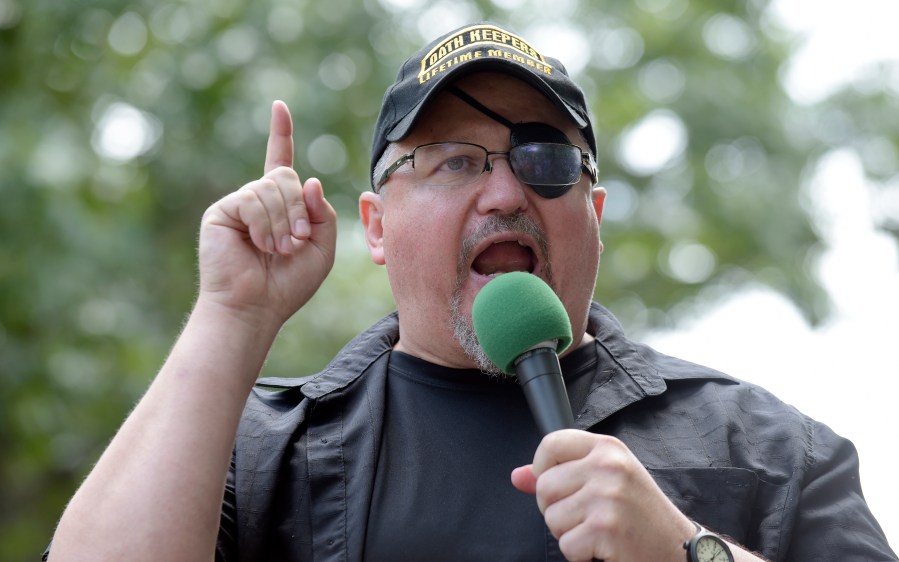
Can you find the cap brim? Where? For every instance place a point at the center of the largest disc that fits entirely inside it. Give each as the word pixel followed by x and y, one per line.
pixel 404 126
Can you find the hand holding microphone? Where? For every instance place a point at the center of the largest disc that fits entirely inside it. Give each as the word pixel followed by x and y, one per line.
pixel 522 325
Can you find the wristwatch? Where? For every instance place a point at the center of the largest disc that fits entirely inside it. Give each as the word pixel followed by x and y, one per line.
pixel 707 547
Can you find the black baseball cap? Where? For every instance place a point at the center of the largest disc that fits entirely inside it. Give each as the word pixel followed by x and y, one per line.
pixel 477 47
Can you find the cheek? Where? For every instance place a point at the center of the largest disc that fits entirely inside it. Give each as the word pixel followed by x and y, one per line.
pixel 575 260
pixel 401 238
pixel 577 226
pixel 419 248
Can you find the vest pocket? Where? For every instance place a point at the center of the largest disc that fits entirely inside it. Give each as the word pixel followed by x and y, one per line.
pixel 721 499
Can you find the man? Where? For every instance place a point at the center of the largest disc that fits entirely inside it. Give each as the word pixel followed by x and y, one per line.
pixel 402 448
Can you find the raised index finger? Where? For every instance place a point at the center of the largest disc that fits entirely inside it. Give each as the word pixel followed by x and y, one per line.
pixel 279 151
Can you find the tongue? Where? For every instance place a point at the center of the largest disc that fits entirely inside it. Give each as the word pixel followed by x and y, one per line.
pixel 503 258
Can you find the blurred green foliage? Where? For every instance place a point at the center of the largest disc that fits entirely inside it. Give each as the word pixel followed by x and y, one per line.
pixel 122 121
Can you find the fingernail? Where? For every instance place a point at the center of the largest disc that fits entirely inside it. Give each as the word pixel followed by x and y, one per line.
pixel 285 243
pixel 301 228
pixel 270 244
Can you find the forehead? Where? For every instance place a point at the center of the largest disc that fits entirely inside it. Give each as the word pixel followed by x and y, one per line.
pixel 450 118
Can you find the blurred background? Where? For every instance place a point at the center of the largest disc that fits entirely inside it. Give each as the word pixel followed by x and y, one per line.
pixel 751 223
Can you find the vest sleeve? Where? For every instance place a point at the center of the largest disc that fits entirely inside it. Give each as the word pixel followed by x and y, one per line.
pixel 833 521
pixel 225 546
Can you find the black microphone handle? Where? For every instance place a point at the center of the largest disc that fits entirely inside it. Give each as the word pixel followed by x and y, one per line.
pixel 540 376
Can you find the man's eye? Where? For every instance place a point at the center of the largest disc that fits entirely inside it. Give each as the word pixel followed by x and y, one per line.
pixel 456 164
pixel 445 165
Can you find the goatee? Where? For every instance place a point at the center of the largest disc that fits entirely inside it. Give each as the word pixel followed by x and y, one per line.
pixel 462 326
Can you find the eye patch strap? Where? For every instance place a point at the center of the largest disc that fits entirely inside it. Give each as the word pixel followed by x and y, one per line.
pixel 520 133
pixel 479 106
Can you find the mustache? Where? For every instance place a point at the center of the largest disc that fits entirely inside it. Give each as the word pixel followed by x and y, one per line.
pixel 495 224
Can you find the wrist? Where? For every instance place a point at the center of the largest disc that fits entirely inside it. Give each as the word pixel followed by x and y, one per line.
pixel 254 322
pixel 222 347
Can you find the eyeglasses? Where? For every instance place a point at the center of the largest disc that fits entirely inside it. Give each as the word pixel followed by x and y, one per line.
pixel 550 169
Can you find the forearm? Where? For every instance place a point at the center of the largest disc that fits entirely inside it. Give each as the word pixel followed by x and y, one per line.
pixel 156 491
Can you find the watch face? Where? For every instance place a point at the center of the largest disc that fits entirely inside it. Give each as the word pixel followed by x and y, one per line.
pixel 710 549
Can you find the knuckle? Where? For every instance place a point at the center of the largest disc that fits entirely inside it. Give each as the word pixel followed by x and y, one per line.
pixel 550 513
pixel 555 516
pixel 267 184
pixel 606 489
pixel 572 547
pixel 545 490
pixel 600 522
pixel 297 205
pixel 552 441
pixel 246 195
pixel 209 213
pixel 612 455
pixel 284 174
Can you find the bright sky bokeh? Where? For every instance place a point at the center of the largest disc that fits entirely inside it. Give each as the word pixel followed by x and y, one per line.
pixel 846 372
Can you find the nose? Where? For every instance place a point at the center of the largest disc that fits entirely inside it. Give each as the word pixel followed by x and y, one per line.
pixel 501 192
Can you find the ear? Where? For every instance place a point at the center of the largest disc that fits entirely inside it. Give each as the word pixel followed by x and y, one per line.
pixel 599 200
pixel 371 212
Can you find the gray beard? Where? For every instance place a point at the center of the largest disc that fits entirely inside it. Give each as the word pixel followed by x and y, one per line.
pixel 463 328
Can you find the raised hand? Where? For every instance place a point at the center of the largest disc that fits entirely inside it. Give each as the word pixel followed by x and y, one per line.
pixel 266 248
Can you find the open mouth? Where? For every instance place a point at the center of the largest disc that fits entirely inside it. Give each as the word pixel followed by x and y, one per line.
pixel 503 257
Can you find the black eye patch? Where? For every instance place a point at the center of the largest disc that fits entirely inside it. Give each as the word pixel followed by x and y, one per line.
pixel 542 157
pixel 523 133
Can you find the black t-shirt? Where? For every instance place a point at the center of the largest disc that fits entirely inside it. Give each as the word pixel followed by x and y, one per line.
pixel 442 485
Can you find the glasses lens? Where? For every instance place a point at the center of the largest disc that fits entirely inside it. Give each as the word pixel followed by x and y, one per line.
pixel 449 163
pixel 549 164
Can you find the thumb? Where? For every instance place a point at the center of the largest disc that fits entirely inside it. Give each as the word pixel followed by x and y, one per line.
pixel 318 208
pixel 523 478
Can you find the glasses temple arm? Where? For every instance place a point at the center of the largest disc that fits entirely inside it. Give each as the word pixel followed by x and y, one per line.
pixel 589 164
pixel 393 167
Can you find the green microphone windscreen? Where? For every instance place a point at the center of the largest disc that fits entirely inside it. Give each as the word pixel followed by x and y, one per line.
pixel 513 313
